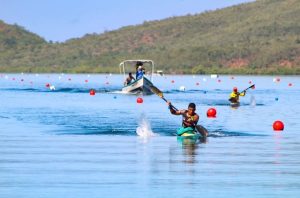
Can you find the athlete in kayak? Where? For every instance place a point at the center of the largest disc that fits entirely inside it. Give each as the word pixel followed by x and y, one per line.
pixel 234 96
pixel 189 118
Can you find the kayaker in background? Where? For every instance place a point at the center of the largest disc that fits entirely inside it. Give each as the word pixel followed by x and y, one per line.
pixel 129 79
pixel 189 118
pixel 234 96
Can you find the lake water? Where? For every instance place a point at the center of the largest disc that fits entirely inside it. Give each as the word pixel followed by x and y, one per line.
pixel 66 143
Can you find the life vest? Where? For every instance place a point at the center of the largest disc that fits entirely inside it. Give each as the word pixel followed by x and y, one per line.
pixel 139 74
pixel 189 119
pixel 235 96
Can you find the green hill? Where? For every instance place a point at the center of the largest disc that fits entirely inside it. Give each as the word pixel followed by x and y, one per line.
pixel 262 37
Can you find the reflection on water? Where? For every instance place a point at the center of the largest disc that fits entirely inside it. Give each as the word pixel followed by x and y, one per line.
pixel 190 145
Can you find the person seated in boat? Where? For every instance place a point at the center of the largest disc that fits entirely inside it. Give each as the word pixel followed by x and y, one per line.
pixel 235 95
pixel 129 79
pixel 189 118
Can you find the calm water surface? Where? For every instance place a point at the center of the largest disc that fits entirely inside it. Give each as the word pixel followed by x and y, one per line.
pixel 66 143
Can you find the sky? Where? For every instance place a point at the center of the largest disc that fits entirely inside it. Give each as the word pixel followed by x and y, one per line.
pixel 60 20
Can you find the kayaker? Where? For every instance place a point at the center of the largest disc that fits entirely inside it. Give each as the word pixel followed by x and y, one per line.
pixel 129 79
pixel 234 96
pixel 189 118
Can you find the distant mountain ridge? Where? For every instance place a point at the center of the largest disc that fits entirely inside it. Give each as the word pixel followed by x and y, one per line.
pixel 261 37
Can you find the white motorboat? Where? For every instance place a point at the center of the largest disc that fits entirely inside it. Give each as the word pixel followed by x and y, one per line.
pixel 141 84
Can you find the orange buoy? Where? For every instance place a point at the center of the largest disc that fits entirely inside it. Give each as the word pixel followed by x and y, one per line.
pixel 139 100
pixel 92 92
pixel 278 125
pixel 211 113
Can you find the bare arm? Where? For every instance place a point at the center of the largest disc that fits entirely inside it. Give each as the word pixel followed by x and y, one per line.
pixel 173 111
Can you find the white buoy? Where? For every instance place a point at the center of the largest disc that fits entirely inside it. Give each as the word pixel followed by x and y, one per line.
pixel 214 76
pixel 52 88
pixel 204 79
pixel 182 88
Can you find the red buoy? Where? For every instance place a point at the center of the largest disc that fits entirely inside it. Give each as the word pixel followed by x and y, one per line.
pixel 278 125
pixel 197 84
pixel 278 79
pixel 92 92
pixel 211 113
pixel 86 81
pixel 47 85
pixel 139 100
pixel 250 82
pixel 172 81
pixel 232 77
pixel 290 84
pixel 69 79
pixel 219 80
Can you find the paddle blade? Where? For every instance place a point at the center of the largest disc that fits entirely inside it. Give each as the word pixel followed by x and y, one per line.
pixel 202 130
pixel 156 91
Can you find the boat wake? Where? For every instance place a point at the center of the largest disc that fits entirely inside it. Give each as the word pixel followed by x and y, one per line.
pixel 222 133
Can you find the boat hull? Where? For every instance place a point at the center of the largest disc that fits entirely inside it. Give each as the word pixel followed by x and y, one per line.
pixel 141 85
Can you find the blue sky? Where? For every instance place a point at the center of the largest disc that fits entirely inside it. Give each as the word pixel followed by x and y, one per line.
pixel 59 20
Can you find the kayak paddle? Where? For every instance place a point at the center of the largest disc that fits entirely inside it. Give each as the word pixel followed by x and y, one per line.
pixel 248 88
pixel 199 128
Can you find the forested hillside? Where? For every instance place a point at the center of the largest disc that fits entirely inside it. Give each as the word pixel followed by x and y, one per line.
pixel 262 37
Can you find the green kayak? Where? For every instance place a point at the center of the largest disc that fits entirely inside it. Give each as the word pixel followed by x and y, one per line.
pixel 185 132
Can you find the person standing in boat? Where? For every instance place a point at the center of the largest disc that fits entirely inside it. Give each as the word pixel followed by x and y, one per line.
pixel 129 79
pixel 189 118
pixel 140 71
pixel 235 95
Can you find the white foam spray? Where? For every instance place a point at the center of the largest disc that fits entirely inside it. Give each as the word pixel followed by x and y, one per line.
pixel 252 101
pixel 144 129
